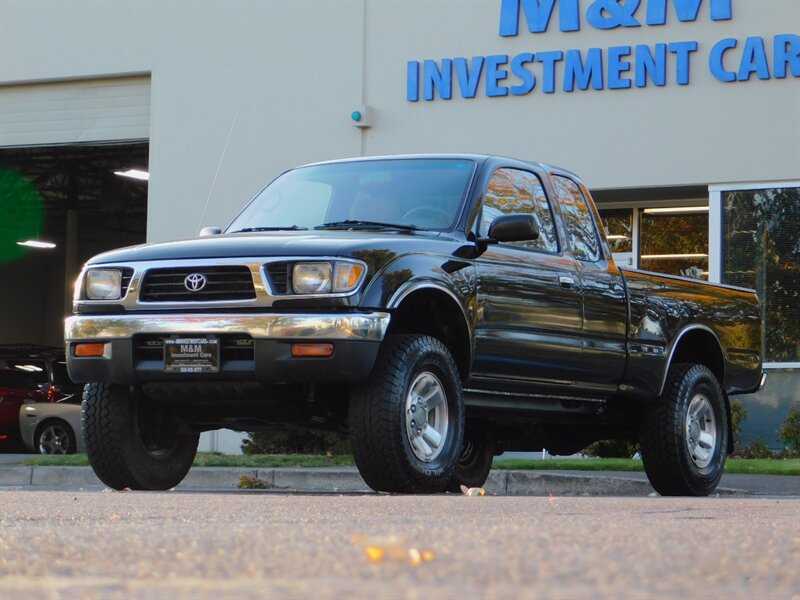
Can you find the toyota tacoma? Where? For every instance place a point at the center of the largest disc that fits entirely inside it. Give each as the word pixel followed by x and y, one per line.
pixel 437 309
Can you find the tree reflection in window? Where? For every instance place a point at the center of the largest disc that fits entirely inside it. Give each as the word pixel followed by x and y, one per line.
pixel 619 229
pixel 511 191
pixel 577 220
pixel 675 243
pixel 761 250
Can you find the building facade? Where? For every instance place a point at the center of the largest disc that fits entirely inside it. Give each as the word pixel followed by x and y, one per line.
pixel 682 116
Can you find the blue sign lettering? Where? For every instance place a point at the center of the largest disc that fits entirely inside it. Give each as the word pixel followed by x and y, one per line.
pixel 602 14
pixel 549 60
pixel 786 52
pixel 576 71
pixel 616 67
pixel 686 10
pixel 754 60
pixel 434 79
pixel 652 64
pixel 537 15
pixel 494 75
pixel 682 50
pixel 469 76
pixel 518 69
pixel 609 14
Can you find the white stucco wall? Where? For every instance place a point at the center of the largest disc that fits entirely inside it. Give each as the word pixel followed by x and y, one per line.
pixel 277 81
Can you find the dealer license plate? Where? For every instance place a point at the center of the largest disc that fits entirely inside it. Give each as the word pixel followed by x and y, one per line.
pixel 191 355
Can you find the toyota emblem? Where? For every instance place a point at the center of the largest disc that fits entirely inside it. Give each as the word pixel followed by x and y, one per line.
pixel 195 282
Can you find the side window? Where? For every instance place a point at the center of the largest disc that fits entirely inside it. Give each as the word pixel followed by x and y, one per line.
pixel 511 191
pixel 578 220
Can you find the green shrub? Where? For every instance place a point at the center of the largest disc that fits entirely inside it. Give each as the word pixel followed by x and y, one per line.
pixel 252 483
pixel 296 442
pixel 611 449
pixel 790 430
pixel 738 416
pixel 756 449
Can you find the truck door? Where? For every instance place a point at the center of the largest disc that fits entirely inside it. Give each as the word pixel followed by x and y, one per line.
pixel 529 318
pixel 605 308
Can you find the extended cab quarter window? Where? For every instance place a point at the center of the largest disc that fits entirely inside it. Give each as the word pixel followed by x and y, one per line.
pixel 578 220
pixel 511 191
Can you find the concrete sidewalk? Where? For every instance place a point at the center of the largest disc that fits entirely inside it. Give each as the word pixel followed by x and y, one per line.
pixel 347 480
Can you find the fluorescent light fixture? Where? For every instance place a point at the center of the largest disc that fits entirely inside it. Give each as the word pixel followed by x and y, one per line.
pixel 676 210
pixel 134 174
pixel 37 244
pixel 672 256
pixel 617 237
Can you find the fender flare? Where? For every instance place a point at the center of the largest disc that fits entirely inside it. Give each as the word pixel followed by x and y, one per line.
pixel 674 345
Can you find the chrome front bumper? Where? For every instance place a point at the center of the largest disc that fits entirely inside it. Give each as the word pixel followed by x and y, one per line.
pixel 368 327
pixel 355 336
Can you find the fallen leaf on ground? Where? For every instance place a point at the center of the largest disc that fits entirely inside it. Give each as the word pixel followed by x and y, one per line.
pixel 475 491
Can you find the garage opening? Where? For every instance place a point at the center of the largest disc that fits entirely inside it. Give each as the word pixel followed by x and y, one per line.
pixel 60 205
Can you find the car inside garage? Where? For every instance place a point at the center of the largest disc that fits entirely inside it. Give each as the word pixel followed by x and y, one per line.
pixel 60 205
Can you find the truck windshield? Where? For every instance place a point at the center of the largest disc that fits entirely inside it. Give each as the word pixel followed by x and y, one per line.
pixel 404 194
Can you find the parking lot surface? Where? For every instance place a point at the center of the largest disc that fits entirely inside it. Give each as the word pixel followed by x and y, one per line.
pixel 254 545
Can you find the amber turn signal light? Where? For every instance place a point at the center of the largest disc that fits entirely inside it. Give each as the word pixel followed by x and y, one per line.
pixel 89 349
pixel 312 350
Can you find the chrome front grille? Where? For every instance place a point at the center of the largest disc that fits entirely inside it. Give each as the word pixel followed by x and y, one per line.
pixel 127 275
pixel 222 283
pixel 279 275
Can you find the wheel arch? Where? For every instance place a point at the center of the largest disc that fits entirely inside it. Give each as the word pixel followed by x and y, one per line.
pixel 430 309
pixel 696 344
pixel 700 345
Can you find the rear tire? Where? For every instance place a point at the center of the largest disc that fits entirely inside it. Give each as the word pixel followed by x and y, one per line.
pixel 407 419
pixel 684 433
pixel 132 441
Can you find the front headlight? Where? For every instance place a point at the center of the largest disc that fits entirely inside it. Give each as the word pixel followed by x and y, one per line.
pixel 312 278
pixel 103 284
pixel 326 278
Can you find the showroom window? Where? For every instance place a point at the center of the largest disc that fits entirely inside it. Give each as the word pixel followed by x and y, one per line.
pixel 761 250
pixel 674 240
pixel 665 239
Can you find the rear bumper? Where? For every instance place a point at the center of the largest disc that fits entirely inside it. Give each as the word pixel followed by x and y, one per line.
pixel 356 338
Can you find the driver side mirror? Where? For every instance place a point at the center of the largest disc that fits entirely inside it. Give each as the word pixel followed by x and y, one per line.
pixel 207 231
pixel 514 228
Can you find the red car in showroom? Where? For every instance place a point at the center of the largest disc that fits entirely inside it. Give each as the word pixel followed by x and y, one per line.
pixel 29 374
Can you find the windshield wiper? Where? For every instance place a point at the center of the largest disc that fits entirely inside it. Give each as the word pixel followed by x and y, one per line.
pixel 287 228
pixel 356 223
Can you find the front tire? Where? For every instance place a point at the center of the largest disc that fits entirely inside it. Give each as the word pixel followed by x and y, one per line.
pixel 407 419
pixel 475 461
pixel 684 433
pixel 132 441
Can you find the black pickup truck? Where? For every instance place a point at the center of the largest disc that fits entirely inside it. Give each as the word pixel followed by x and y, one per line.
pixel 440 310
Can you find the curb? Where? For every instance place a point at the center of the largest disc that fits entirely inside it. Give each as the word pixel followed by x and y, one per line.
pixel 343 480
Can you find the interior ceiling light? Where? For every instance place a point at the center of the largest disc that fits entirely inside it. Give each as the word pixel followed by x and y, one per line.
pixel 134 174
pixel 676 210
pixel 37 244
pixel 672 256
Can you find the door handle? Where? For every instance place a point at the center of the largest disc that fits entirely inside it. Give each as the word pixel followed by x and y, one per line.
pixel 566 282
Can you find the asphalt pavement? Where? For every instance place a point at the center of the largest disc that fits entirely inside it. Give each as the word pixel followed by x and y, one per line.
pixel 123 545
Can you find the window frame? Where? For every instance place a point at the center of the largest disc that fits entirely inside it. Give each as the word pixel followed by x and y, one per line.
pixel 550 206
pixel 601 246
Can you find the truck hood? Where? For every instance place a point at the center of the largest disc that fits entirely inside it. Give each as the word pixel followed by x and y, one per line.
pixel 283 243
